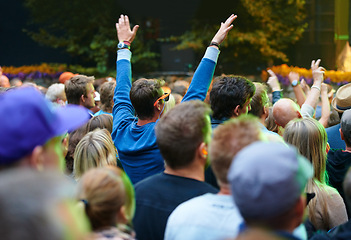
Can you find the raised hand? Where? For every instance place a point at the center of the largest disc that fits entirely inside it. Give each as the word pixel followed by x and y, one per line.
pixel 224 29
pixel 293 76
pixel 317 71
pixel 273 81
pixel 124 33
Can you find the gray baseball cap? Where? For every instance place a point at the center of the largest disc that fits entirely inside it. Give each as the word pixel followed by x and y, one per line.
pixel 345 123
pixel 267 179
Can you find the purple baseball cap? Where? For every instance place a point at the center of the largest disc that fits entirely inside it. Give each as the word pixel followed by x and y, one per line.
pixel 28 120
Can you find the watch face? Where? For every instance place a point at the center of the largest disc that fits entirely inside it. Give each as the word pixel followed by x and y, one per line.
pixel 120 45
pixel 294 83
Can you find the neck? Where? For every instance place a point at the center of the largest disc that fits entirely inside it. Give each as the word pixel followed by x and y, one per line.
pixel 348 149
pixel 224 189
pixel 192 171
pixel 142 122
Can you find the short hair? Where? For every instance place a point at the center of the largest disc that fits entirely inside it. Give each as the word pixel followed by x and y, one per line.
pixel 259 100
pixel 228 139
pixel 180 132
pixel 143 94
pixel 106 95
pixel 103 121
pixel 227 93
pixel 55 91
pixel 345 128
pixel 103 192
pixel 28 201
pixel 96 149
pixel 76 87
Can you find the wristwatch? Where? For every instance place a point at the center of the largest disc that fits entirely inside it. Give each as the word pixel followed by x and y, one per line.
pixel 122 45
pixel 295 83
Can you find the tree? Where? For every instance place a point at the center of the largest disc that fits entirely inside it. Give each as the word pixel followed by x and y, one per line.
pixel 263 31
pixel 85 29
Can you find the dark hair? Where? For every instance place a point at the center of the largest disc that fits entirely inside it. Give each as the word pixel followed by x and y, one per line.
pixel 227 93
pixel 346 132
pixel 180 132
pixel 76 87
pixel 259 100
pixel 143 94
pixel 106 95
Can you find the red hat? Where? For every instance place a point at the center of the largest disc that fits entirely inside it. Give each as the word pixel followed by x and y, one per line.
pixel 66 76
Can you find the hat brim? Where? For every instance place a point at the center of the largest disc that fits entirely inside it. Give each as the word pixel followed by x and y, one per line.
pixel 70 118
pixel 335 107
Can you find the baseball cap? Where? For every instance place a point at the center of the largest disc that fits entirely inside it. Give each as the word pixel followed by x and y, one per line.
pixel 342 99
pixel 267 179
pixel 29 120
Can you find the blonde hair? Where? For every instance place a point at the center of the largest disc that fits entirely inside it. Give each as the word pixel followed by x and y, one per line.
pixel 310 138
pixel 228 139
pixel 95 149
pixel 103 193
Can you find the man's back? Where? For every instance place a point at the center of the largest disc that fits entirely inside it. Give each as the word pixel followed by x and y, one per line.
pixel 157 197
pixel 334 138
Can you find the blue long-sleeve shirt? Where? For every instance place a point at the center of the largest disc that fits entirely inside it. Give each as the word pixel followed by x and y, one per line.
pixel 136 145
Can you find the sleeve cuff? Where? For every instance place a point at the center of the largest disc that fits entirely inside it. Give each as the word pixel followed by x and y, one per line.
pixel 212 54
pixel 125 54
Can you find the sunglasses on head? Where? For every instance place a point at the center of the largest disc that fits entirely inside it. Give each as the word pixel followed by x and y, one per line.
pixel 165 97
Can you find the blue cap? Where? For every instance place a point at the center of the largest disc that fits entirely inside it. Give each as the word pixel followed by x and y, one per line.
pixel 266 179
pixel 28 120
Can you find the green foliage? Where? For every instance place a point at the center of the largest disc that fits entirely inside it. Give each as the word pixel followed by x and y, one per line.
pixel 85 29
pixel 263 31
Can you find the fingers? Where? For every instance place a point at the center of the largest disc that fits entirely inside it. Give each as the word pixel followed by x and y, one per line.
pixel 271 73
pixel 318 62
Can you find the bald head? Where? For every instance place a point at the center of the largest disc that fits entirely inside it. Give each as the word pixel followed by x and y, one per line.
pixel 285 110
pixel 4 81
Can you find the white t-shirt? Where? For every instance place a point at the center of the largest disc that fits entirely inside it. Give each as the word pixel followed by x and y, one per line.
pixel 209 216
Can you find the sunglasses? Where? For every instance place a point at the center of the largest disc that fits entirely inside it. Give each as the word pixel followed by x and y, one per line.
pixel 165 97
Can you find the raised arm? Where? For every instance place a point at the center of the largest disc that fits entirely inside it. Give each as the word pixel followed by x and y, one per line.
pixel 275 86
pixel 295 83
pixel 204 72
pixel 325 106
pixel 313 96
pixel 122 105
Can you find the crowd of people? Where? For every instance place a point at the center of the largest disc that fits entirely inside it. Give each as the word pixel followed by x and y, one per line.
pixel 213 158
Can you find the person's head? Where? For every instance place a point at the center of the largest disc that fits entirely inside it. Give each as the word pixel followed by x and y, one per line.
pixel 80 91
pixel 267 184
pixel 144 96
pixel 95 149
pixel 183 134
pixel 230 96
pixel 32 129
pixel 228 139
pixel 16 82
pixel 4 81
pixel 56 93
pixel 285 110
pixel 65 76
pixel 106 96
pixel 103 121
pixel 39 205
pixel 345 127
pixel 310 138
pixel 104 195
pixel 260 102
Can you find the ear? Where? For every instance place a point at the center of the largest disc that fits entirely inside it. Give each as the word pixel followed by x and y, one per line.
pixel 266 112
pixel 341 134
pixel 82 99
pixel 202 150
pixel 236 111
pixel 36 159
pixel 122 216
